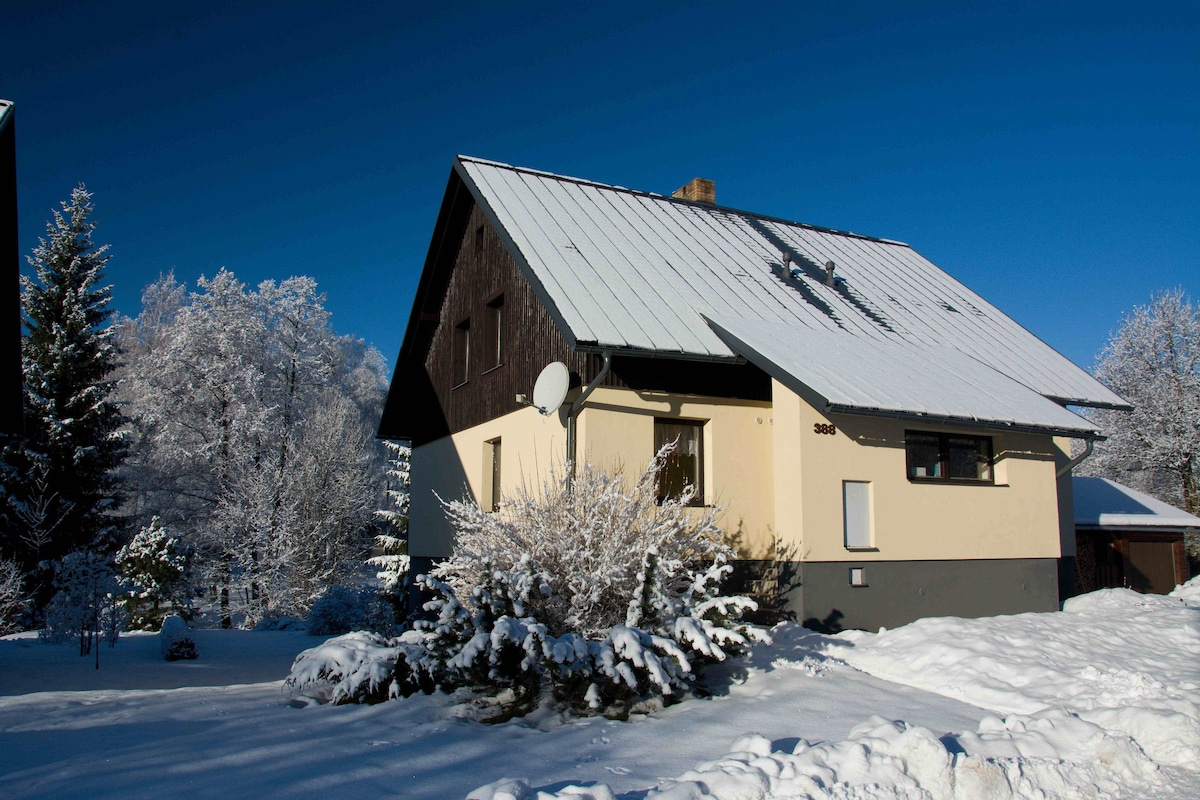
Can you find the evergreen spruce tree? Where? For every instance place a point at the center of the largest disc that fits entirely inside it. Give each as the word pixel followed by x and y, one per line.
pixel 58 480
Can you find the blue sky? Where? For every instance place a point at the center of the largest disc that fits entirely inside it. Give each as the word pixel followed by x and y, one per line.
pixel 1045 154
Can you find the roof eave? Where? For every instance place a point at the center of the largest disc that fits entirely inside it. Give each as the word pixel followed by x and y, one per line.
pixel 965 422
pixel 642 352
pixel 1148 527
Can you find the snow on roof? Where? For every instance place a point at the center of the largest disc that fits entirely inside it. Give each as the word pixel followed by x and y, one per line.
pixel 1100 502
pixel 637 272
pixel 5 113
pixel 846 373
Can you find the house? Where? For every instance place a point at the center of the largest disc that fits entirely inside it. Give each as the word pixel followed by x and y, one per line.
pixel 11 398
pixel 1124 537
pixel 885 443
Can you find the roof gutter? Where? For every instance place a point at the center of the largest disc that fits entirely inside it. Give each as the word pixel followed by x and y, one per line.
pixel 572 442
pixel 1089 444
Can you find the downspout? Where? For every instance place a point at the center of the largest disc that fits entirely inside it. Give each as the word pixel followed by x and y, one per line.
pixel 1089 443
pixel 575 407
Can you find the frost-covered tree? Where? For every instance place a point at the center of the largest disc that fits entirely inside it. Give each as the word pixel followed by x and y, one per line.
pixel 59 478
pixel 12 596
pixel 1153 361
pixel 253 436
pixel 85 605
pixel 155 573
pixel 392 561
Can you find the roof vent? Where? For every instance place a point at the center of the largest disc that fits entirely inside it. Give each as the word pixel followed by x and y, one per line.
pixel 698 190
pixel 829 279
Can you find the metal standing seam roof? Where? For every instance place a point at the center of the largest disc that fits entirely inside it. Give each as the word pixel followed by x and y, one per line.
pixel 1102 503
pixel 846 373
pixel 639 272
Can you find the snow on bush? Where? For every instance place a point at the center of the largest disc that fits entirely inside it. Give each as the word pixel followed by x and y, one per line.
pixel 176 639
pixel 12 597
pixel 155 568
pixel 359 667
pixel 595 595
pixel 348 608
pixel 85 606
pixel 590 538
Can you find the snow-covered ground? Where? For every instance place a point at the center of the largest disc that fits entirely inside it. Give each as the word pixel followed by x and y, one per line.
pixel 1100 700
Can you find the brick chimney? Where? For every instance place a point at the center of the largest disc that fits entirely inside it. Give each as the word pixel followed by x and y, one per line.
pixel 699 190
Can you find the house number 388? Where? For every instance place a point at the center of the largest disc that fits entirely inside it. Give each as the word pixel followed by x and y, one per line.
pixel 824 427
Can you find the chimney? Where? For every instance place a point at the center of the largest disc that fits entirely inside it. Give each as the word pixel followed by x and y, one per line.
pixel 830 280
pixel 698 190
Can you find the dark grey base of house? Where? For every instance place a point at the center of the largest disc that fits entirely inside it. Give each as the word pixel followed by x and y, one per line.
pixel 1068 585
pixel 820 594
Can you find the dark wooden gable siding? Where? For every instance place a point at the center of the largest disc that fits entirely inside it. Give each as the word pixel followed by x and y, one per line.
pixel 484 269
pixel 468 266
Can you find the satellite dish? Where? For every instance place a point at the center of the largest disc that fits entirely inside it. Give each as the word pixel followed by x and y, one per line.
pixel 551 388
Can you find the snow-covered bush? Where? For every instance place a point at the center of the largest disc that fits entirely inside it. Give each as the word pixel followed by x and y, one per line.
pixel 85 605
pixel 598 596
pixel 156 570
pixel 12 597
pixel 589 539
pixel 348 608
pixel 281 622
pixel 361 667
pixel 176 639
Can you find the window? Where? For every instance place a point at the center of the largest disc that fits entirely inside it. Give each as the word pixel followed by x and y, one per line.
pixel 856 514
pixel 858 576
pixel 685 466
pixel 948 457
pixel 462 352
pixel 493 344
pixel 491 475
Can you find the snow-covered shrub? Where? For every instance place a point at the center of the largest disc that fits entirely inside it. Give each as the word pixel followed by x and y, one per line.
pixel 589 538
pixel 360 667
pixel 155 569
pixel 176 639
pixel 85 605
pixel 493 646
pixel 601 591
pixel 348 608
pixel 12 597
pixel 598 596
pixel 281 622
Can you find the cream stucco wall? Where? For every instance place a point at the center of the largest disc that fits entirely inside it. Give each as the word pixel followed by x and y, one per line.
pixel 531 445
pixel 616 427
pixel 778 481
pixel 1018 517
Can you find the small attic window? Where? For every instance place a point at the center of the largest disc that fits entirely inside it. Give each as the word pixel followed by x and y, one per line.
pixel 460 359
pixel 494 321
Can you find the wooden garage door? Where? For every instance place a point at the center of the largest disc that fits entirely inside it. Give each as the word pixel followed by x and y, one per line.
pixel 1152 567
